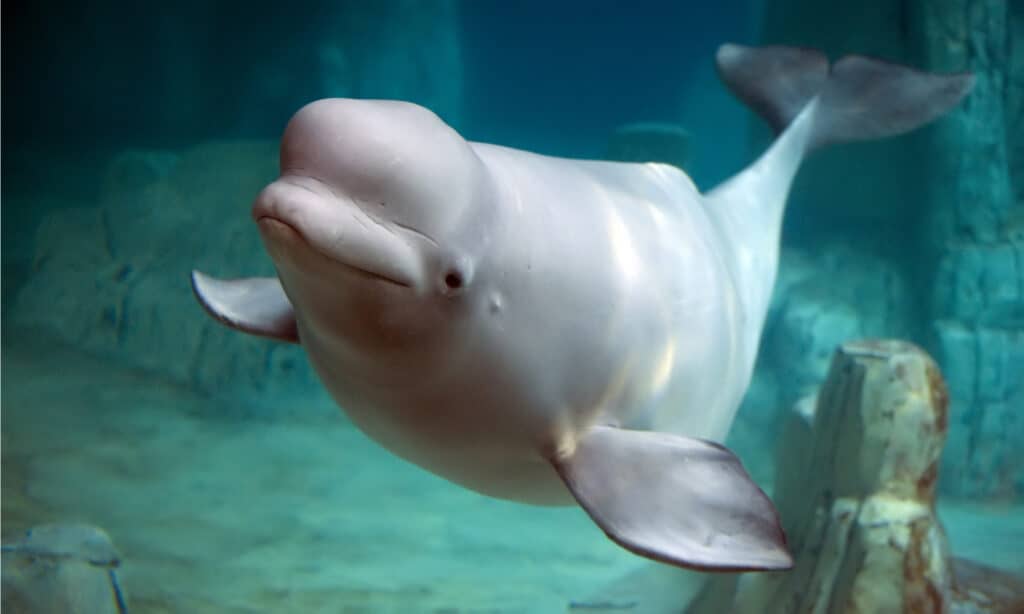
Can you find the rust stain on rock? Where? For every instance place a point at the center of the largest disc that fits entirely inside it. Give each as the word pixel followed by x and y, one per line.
pixel 920 595
pixel 926 483
pixel 939 395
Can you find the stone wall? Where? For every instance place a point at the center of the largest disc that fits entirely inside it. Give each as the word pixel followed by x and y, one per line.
pixel 858 462
pixel 976 239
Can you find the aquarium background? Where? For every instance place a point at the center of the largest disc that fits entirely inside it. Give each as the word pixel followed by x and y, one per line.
pixel 135 137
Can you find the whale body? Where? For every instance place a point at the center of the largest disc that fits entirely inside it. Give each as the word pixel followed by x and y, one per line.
pixel 548 330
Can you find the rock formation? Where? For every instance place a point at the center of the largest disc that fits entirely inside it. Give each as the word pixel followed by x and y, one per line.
pixel 70 569
pixel 855 487
pixel 113 279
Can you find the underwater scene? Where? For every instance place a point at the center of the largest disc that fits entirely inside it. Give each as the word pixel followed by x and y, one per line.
pixel 476 306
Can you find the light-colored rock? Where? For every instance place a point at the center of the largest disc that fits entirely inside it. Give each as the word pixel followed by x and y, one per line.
pixel 855 487
pixel 62 569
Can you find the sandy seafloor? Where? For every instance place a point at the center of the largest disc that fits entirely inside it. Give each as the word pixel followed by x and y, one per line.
pixel 217 514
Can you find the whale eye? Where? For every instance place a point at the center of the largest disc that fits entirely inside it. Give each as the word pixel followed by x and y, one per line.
pixel 453 280
pixel 455 277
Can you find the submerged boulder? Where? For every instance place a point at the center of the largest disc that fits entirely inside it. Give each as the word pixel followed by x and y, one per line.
pixel 855 487
pixel 61 568
pixel 857 468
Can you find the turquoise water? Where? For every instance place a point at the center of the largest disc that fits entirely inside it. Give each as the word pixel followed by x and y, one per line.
pixel 135 139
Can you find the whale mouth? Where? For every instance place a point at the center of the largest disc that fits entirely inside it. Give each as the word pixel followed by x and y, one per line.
pixel 298 212
pixel 284 233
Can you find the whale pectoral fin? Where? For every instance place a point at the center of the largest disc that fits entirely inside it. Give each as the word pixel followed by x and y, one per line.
pixel 677 500
pixel 254 305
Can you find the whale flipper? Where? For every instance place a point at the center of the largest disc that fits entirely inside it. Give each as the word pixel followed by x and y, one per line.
pixel 254 305
pixel 679 500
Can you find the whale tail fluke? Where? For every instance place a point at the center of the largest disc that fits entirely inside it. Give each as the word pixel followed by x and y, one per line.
pixel 776 82
pixel 859 98
pixel 810 104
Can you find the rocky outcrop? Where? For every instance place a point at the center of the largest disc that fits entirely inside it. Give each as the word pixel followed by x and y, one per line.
pixel 113 279
pixel 855 488
pixel 66 568
pixel 858 464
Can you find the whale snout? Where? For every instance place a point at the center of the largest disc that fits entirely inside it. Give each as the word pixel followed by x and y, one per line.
pixel 283 242
pixel 298 215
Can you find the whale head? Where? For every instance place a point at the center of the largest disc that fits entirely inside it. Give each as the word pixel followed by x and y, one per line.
pixel 374 228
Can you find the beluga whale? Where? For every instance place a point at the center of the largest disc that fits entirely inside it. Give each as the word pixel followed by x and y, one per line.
pixel 548 330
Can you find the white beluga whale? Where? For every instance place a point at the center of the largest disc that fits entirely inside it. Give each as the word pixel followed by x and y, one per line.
pixel 548 330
